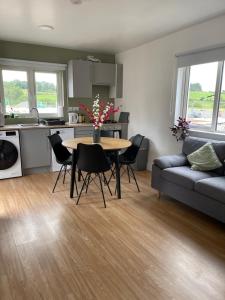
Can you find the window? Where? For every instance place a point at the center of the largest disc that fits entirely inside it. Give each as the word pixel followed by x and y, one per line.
pixel 201 95
pixel 28 84
pixel 46 92
pixel 15 91
pixel 221 112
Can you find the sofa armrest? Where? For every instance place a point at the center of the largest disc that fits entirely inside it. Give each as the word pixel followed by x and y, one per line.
pixel 170 161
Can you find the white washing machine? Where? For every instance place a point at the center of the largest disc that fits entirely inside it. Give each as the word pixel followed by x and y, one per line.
pixel 65 134
pixel 10 160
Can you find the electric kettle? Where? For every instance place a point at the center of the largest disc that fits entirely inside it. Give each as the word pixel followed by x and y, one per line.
pixel 73 117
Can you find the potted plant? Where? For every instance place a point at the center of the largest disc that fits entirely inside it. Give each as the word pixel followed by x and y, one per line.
pixel 180 130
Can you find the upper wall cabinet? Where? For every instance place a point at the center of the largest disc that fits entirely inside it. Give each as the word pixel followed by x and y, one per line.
pixel 103 74
pixel 79 79
pixel 116 91
pixel 82 75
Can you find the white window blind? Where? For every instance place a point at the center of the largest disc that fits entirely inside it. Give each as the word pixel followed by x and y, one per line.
pixel 201 56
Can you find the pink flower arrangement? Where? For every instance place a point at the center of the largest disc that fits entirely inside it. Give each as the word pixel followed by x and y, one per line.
pixel 99 113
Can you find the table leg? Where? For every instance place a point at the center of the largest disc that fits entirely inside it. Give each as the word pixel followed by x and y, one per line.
pixel 73 170
pixel 117 167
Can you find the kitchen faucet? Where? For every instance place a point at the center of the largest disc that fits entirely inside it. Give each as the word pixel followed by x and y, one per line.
pixel 37 113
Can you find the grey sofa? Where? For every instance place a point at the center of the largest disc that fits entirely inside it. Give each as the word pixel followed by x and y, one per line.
pixel 204 191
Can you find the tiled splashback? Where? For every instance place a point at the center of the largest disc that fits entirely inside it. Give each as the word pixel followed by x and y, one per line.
pixel 103 92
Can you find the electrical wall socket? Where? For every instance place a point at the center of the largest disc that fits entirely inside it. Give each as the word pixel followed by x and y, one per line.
pixel 73 109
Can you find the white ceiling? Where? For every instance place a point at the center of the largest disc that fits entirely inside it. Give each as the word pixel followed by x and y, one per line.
pixel 101 25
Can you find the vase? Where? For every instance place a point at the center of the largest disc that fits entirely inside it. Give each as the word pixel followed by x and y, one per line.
pixel 96 135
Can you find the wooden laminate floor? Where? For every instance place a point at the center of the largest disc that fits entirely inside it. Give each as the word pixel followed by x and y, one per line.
pixel 137 248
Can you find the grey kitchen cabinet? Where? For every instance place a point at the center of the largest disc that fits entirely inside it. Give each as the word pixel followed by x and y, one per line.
pixel 103 74
pixel 116 91
pixel 79 79
pixel 35 148
pixel 88 130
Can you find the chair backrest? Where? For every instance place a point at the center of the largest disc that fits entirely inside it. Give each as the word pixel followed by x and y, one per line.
pixel 124 117
pixel 61 152
pixel 107 133
pixel 91 158
pixel 131 153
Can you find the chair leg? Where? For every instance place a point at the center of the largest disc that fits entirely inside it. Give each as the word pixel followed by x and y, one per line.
pixel 88 181
pixel 78 199
pixel 128 173
pixel 107 183
pixel 132 171
pixel 112 174
pixel 102 190
pixel 64 176
pixel 57 179
pixel 79 175
pixel 75 182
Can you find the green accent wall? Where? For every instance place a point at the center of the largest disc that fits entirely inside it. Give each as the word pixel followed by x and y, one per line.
pixel 47 54
pixel 15 50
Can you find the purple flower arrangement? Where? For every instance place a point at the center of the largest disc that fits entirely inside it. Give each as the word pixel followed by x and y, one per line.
pixel 180 131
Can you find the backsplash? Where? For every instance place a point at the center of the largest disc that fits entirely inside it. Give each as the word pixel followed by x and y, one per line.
pixel 103 92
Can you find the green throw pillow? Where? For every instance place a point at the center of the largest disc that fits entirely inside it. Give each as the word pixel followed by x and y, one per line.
pixel 204 159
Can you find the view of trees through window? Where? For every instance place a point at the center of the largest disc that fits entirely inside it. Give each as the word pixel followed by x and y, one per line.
pixel 221 113
pixel 201 96
pixel 16 96
pixel 15 91
pixel 46 92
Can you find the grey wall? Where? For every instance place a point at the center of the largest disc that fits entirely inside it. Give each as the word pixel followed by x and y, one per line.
pixel 149 82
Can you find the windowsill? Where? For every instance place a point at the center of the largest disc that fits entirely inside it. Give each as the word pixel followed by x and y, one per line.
pixel 207 134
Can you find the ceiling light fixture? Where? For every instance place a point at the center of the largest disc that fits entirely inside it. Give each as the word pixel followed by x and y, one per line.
pixel 76 1
pixel 46 27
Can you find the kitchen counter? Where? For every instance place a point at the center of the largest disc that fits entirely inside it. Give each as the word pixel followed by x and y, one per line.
pixel 35 151
pixel 67 125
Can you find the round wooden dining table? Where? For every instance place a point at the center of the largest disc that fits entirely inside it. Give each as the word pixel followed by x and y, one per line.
pixel 108 144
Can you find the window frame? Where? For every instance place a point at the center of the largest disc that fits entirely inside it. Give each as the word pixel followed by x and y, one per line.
pixel 31 67
pixel 182 95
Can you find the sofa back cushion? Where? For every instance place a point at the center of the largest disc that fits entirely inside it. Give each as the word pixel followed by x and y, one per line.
pixel 191 144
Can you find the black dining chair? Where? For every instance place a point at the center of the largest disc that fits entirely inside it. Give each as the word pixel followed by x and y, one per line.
pixel 92 160
pixel 63 157
pixel 128 157
pixel 107 133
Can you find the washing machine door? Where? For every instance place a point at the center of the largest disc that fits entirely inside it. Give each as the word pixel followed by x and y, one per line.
pixel 8 154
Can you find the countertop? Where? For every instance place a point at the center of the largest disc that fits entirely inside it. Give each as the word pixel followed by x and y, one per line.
pixel 67 125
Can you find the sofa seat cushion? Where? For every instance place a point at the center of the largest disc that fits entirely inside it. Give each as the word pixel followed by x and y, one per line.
pixel 212 187
pixel 185 176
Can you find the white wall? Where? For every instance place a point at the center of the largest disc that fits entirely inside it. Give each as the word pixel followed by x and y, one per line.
pixel 149 72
